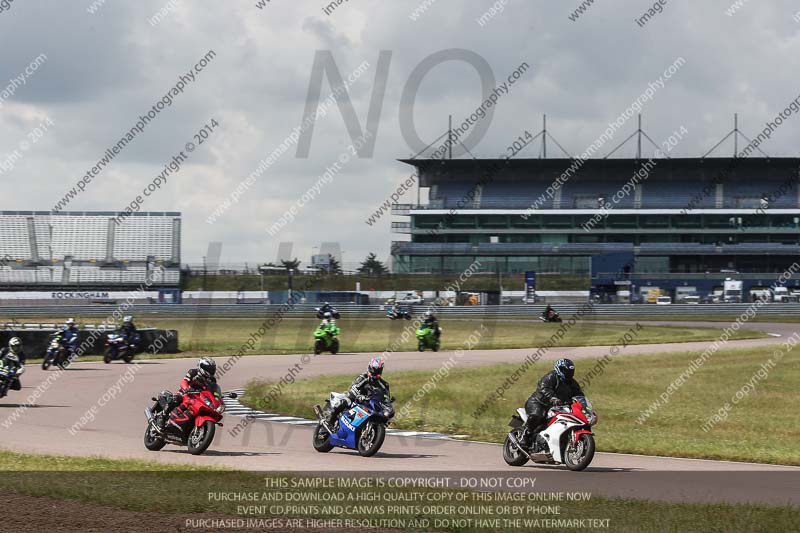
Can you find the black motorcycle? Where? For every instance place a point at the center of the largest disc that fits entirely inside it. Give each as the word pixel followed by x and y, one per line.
pixel 118 347
pixel 400 314
pixel 552 316
pixel 333 311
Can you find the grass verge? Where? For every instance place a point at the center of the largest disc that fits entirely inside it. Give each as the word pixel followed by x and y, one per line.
pixel 142 486
pixel 220 337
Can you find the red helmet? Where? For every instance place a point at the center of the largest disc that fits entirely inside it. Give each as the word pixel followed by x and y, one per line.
pixel 375 368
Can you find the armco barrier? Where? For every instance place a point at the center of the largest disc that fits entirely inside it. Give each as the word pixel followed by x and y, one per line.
pixel 200 311
pixel 36 341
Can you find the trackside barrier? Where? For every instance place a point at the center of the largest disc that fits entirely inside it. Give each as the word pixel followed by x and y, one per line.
pixel 35 341
pixel 621 311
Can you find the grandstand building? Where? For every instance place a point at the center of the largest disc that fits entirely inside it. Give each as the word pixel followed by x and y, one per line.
pixel 70 250
pixel 676 218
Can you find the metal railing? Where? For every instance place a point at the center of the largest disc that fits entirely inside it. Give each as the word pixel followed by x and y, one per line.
pixel 622 311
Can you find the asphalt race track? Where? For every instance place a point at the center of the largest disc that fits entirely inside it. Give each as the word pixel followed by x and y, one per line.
pixel 118 427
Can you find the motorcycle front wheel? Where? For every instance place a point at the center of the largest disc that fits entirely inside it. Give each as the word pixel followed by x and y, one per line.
pixel 201 437
pixel 151 440
pixel 371 439
pixel 578 455
pixel 108 357
pixel 511 454
pixel 322 439
pixel 335 346
pixel 46 362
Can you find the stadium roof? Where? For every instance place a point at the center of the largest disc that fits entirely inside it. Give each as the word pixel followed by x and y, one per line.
pixel 447 170
pixel 94 213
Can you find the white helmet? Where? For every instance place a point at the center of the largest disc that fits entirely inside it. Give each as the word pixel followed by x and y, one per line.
pixel 70 322
pixel 127 319
pixel 14 345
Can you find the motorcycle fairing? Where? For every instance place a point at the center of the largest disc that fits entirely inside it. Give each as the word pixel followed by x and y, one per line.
pixel 349 422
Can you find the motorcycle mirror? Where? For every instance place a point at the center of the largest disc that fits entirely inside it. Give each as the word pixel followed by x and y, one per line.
pixel 233 395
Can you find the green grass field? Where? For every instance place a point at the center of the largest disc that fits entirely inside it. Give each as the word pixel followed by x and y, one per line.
pixel 178 489
pixel 219 337
pixel 627 387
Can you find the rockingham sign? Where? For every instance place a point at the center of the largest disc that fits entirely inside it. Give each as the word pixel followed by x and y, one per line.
pixel 80 295
pixel 70 295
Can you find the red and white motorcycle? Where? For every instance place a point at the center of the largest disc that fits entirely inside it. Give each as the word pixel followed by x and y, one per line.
pixel 568 438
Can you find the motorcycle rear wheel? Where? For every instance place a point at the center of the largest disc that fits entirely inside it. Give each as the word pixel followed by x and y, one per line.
pixel 152 441
pixel 322 444
pixel 511 454
pixel 578 456
pixel 200 438
pixel 370 439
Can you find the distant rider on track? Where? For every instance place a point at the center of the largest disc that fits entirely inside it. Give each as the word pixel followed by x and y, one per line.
pixel 431 322
pixel 128 331
pixel 14 357
pixel 70 335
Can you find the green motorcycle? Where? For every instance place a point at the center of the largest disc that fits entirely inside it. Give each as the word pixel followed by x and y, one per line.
pixel 426 337
pixel 326 339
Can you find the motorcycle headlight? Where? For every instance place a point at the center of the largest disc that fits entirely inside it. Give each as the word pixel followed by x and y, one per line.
pixel 208 402
pixel 221 409
pixel 591 417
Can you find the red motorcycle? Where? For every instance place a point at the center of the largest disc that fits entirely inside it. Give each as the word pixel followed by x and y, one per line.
pixel 193 423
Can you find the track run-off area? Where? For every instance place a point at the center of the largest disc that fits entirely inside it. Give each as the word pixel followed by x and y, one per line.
pixel 112 425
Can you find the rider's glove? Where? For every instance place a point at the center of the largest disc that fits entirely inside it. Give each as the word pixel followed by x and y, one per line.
pixel 362 398
pixel 555 401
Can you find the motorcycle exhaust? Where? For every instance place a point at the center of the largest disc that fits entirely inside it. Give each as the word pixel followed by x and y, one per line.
pixel 519 446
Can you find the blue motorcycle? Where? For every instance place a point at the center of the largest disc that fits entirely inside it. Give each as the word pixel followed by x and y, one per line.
pixel 120 347
pixel 399 315
pixel 361 428
pixel 59 351
pixel 8 374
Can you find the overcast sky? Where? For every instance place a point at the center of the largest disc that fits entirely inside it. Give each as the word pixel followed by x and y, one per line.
pixel 104 69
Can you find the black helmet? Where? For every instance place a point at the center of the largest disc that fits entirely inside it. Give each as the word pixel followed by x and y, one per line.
pixel 565 369
pixel 207 367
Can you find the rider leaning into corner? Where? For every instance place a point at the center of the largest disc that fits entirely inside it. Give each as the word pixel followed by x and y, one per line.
pixel 555 388
pixel 14 357
pixel 548 311
pixel 196 379
pixel 361 389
